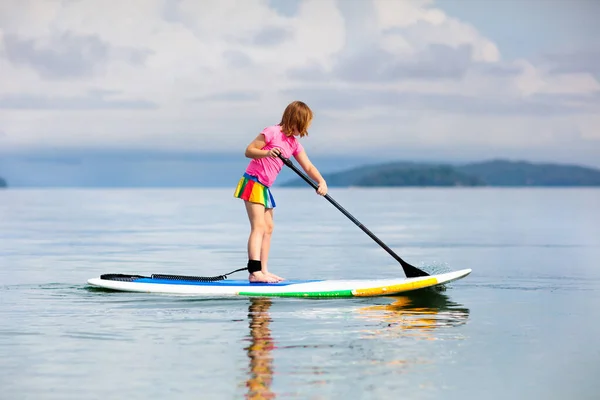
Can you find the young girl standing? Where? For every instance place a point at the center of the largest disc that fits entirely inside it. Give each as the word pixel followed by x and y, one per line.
pixel 254 186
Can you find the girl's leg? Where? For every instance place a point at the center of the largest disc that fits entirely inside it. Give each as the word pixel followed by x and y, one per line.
pixel 266 244
pixel 256 215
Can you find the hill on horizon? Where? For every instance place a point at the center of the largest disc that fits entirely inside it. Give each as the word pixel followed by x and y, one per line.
pixel 485 173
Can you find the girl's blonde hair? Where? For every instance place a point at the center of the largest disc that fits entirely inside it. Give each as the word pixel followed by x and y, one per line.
pixel 297 116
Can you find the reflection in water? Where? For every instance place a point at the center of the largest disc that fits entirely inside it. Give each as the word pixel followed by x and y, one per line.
pixel 259 350
pixel 416 314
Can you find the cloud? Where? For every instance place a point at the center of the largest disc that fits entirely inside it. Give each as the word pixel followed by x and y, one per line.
pixel 573 63
pixel 271 36
pixel 233 96
pixel 187 66
pixel 498 69
pixel 237 59
pixel 95 100
pixel 377 65
pixel 435 62
pixel 537 105
pixel 65 55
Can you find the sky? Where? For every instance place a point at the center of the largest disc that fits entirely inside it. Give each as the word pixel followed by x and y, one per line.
pixel 86 87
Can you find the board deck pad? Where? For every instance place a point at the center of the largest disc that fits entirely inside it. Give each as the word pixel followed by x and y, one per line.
pixel 197 286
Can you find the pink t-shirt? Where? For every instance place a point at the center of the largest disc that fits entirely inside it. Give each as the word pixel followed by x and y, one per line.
pixel 266 169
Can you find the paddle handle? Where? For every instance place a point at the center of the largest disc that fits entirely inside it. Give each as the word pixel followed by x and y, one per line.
pixel 409 270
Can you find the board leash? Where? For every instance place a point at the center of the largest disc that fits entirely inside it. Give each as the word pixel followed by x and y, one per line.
pixel 131 278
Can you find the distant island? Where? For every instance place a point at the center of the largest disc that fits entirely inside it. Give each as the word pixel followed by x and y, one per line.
pixel 3 183
pixel 489 173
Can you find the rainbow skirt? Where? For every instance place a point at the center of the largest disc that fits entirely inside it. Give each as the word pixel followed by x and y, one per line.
pixel 250 189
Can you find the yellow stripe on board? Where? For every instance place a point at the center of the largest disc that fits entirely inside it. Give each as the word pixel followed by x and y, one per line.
pixel 401 287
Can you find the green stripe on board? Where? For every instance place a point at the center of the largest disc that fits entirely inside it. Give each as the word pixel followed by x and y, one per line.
pixel 334 293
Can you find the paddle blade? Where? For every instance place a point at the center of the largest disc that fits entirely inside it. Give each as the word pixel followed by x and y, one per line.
pixel 412 271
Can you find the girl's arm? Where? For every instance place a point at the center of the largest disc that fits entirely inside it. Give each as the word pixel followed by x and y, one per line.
pixel 312 171
pixel 254 149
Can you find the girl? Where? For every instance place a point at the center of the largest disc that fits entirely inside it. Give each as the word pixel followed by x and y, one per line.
pixel 254 186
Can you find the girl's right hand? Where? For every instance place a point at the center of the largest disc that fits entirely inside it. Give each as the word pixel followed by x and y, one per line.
pixel 274 152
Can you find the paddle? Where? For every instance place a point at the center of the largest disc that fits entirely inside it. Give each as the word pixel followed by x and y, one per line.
pixel 409 270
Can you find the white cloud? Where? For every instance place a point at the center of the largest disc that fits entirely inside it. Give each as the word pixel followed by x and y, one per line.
pixel 424 24
pixel 131 75
pixel 400 14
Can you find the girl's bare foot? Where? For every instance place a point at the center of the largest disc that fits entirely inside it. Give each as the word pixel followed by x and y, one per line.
pixel 260 276
pixel 279 279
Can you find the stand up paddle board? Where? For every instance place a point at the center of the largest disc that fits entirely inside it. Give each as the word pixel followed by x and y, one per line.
pixel 189 285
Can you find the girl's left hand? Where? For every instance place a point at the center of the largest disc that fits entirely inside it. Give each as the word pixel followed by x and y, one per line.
pixel 322 190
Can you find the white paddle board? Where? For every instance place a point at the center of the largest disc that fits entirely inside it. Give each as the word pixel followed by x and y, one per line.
pixel 183 285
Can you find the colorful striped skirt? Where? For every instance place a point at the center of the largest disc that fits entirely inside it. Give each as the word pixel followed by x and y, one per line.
pixel 250 189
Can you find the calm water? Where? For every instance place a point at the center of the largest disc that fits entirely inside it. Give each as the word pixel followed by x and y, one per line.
pixel 525 324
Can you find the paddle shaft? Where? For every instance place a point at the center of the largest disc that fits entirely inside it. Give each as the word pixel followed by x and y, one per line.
pixel 409 270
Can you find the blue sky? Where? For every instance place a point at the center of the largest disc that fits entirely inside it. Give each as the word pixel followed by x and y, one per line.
pixel 531 28
pixel 452 80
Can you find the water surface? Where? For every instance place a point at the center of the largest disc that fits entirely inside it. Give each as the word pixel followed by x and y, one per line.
pixel 524 324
